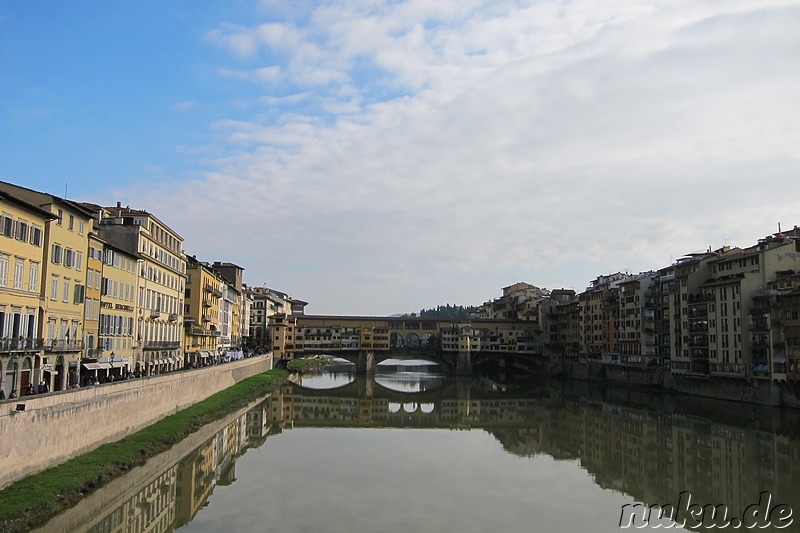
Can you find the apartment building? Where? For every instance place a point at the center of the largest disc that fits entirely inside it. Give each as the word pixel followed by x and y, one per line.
pixel 118 310
pixel 266 303
pixel 22 255
pixel 161 284
pixel 232 309
pixel 637 317
pixel 66 242
pixel 599 312
pixel 201 311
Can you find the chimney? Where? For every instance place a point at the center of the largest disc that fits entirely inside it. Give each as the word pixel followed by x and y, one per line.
pixel 119 204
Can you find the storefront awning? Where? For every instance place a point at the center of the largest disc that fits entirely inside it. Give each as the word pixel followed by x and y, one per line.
pixel 780 359
pixel 118 364
pixel 96 366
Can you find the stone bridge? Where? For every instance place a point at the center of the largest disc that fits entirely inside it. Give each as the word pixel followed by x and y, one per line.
pixel 366 341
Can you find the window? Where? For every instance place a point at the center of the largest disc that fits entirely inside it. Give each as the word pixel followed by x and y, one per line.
pixel 71 222
pixel 54 289
pixel 33 277
pixel 19 273
pixel 22 231
pixel 3 270
pixel 60 219
pixel 56 254
pixel 65 296
pixel 80 294
pixel 90 278
pixel 78 260
pixel 69 258
pixel 36 236
pixel 81 227
pixel 6 226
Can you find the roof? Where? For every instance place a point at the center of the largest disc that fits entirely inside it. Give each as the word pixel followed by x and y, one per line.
pixel 27 205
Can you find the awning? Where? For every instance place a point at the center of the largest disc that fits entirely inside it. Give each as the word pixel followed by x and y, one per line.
pixel 118 364
pixel 779 359
pixel 96 366
pixel 203 353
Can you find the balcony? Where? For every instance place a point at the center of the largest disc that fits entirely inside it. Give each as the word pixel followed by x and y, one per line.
pixel 211 290
pixel 161 345
pixel 155 314
pixel 202 332
pixel 207 303
pixel 173 317
pixel 206 318
pixel 63 345
pixel 20 344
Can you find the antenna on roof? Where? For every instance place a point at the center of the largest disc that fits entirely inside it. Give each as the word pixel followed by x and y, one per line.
pixel 66 186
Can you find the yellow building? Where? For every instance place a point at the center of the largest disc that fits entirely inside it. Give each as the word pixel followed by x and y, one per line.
pixel 66 243
pixel 94 277
pixel 201 311
pixel 22 229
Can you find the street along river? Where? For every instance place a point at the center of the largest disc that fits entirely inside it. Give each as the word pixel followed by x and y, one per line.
pixel 411 449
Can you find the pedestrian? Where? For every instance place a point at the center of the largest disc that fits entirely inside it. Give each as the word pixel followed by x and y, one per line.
pixel 13 393
pixel 30 390
pixel 2 394
pixel 42 388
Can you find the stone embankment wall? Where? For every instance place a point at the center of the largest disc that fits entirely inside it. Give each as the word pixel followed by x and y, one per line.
pixel 755 391
pixel 58 426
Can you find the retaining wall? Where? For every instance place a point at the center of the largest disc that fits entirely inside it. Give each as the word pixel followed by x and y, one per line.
pixel 56 427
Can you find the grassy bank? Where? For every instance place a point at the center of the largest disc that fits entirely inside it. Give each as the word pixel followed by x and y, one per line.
pixel 33 500
pixel 299 365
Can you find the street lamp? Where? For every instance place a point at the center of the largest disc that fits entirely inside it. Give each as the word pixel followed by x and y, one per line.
pixel 15 361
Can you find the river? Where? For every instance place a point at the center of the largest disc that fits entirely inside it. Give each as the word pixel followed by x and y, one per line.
pixel 413 450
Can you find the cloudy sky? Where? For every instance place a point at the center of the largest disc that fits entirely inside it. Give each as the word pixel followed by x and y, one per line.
pixel 378 157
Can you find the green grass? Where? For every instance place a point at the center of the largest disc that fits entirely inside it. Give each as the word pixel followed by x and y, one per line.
pixel 298 365
pixel 35 499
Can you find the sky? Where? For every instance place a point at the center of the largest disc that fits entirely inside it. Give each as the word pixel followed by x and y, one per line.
pixel 379 157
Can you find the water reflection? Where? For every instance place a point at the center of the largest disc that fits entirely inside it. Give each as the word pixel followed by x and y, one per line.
pixel 337 373
pixel 409 374
pixel 630 447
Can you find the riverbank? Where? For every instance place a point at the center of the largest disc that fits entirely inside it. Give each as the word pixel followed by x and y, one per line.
pixel 30 501
pixel 303 364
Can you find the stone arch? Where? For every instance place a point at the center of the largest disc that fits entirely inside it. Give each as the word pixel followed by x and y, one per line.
pixel 428 340
pixel 396 340
pixel 412 339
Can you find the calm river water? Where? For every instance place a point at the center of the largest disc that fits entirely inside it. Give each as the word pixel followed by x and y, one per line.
pixel 412 450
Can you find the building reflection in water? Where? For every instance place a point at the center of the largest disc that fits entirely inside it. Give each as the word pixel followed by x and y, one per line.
pixel 648 447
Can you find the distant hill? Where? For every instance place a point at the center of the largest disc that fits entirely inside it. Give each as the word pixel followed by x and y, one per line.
pixel 443 311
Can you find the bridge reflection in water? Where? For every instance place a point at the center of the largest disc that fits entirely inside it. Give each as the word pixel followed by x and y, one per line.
pixel 648 447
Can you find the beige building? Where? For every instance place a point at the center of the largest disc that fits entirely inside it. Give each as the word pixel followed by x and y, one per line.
pixel 161 283
pixel 22 251
pixel 117 317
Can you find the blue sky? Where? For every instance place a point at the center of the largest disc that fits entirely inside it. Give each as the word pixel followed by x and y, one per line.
pixel 379 157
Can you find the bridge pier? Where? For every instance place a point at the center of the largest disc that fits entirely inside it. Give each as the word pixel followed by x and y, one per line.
pixel 464 364
pixel 365 364
pixel 366 387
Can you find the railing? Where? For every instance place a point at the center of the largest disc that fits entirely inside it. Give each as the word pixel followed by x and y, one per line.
pixel 173 317
pixel 212 290
pixel 202 332
pixel 63 345
pixel 161 345
pixel 18 344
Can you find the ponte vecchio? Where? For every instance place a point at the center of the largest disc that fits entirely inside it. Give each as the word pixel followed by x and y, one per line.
pixel 366 341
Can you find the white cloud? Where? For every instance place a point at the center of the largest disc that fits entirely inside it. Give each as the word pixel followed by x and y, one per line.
pixel 460 143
